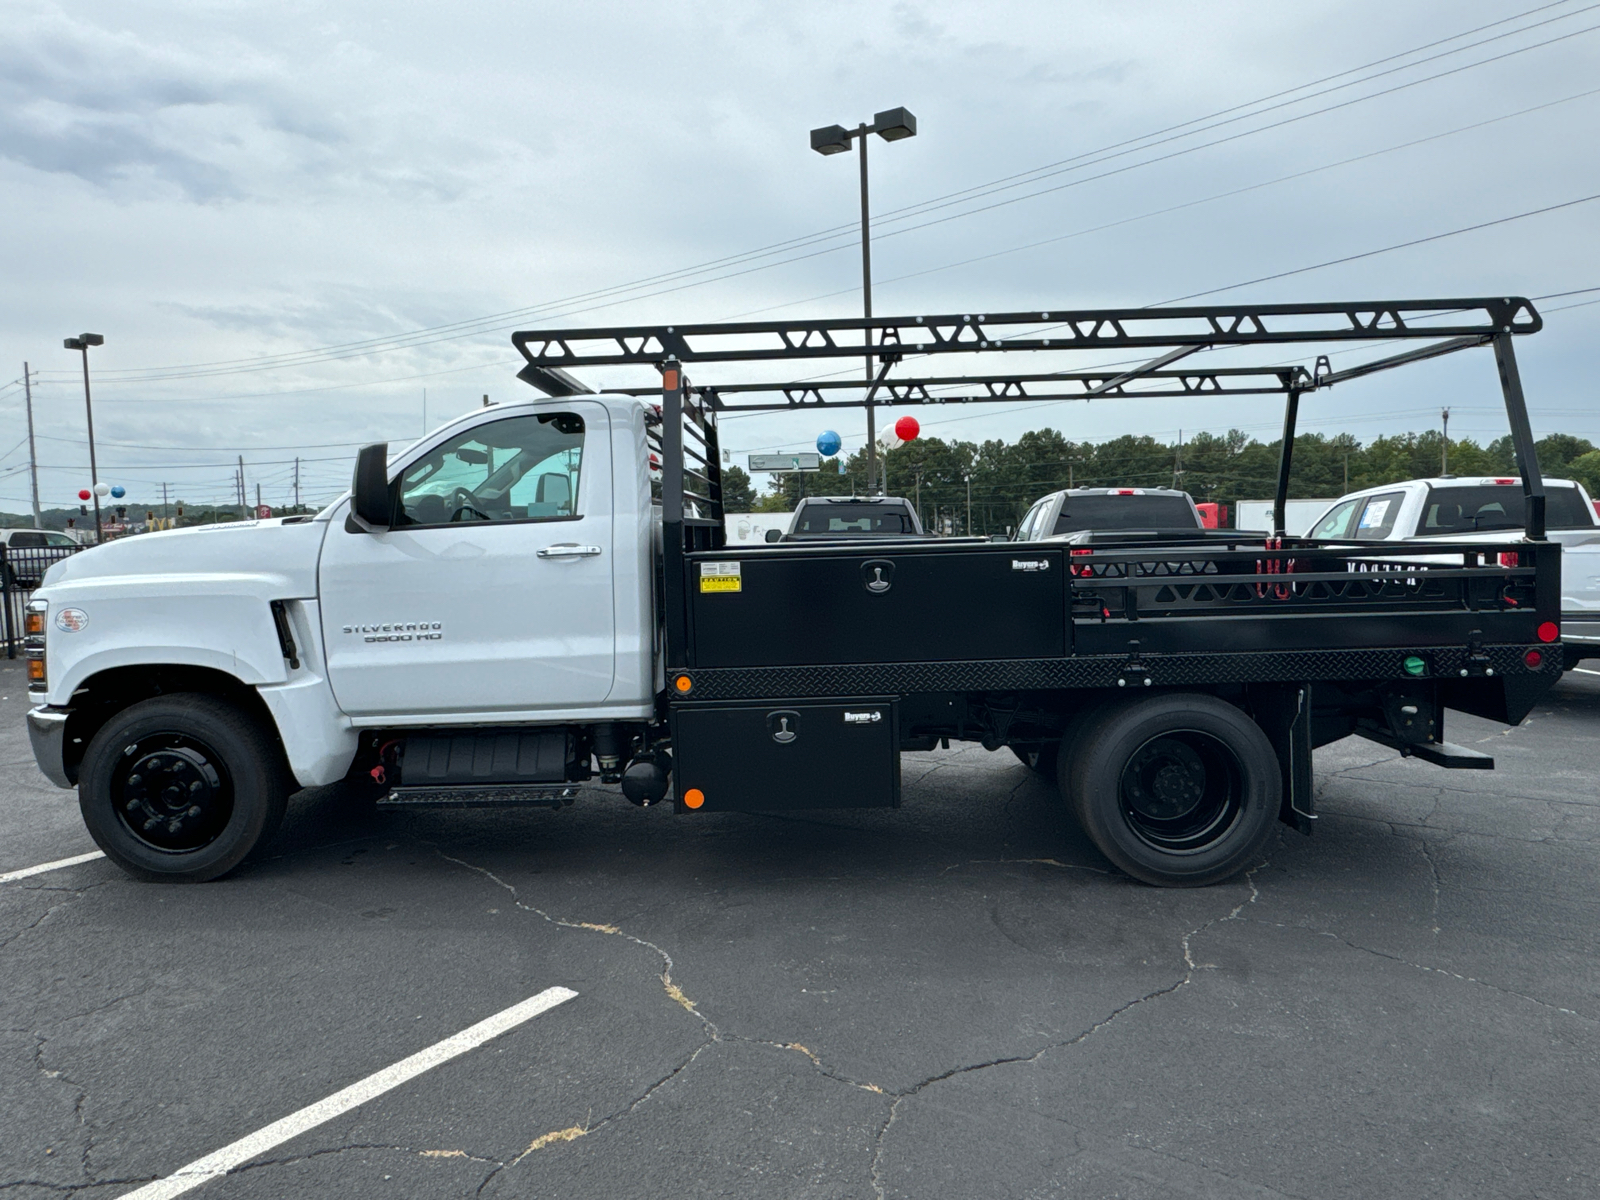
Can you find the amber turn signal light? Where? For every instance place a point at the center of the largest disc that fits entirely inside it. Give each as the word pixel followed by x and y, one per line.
pixel 683 683
pixel 33 622
pixel 36 670
pixel 694 798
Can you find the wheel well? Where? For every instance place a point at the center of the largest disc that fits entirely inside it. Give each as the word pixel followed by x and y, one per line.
pixel 102 696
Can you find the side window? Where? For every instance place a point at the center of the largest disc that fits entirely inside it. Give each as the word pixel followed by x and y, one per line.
pixel 58 539
pixel 1337 523
pixel 519 469
pixel 1378 515
pixel 1025 530
pixel 26 540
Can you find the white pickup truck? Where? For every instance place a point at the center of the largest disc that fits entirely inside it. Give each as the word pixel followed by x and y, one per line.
pixel 1478 509
pixel 514 590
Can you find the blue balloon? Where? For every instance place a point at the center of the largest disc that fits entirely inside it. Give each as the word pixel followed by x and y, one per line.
pixel 828 443
pixel 118 491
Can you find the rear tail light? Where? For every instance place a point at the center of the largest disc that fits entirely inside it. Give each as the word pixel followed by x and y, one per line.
pixel 1508 558
pixel 1502 481
pixel 1126 492
pixel 1549 631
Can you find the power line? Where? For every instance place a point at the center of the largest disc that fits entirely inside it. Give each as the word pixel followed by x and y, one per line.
pixel 486 324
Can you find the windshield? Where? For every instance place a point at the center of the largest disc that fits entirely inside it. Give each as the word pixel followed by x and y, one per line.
pixel 1499 506
pixel 852 518
pixel 1107 513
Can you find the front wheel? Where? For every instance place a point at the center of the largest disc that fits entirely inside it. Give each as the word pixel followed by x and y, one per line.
pixel 182 788
pixel 1180 790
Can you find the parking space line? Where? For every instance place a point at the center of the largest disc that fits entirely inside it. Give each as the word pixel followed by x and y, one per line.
pixel 236 1154
pixel 24 872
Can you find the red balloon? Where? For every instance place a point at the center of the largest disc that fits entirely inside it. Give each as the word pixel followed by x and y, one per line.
pixel 906 429
pixel 83 493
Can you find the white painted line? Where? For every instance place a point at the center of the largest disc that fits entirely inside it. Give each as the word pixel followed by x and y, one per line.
pixel 1585 671
pixel 24 872
pixel 220 1162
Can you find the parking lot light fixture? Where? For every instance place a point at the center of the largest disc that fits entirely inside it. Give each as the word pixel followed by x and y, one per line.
pixel 891 125
pixel 82 343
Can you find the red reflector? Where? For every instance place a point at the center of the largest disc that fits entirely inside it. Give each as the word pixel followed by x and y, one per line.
pixel 1125 492
pixel 1549 631
pixel 1508 558
pixel 1533 658
pixel 1503 481
pixel 1083 551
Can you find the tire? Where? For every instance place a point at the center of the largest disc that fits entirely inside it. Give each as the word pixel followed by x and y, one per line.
pixel 1041 760
pixel 1179 790
pixel 146 762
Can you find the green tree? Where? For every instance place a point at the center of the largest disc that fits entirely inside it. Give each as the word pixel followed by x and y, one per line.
pixel 737 494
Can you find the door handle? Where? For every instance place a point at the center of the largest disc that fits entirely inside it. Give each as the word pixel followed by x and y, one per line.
pixel 569 550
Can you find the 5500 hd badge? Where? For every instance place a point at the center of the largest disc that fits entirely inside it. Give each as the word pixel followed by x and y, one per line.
pixel 408 631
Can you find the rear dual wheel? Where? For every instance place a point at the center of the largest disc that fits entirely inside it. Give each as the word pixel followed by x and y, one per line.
pixel 1179 790
pixel 182 788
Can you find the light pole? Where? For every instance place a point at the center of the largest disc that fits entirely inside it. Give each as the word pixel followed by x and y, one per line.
pixel 1444 448
pixel 82 342
pixel 891 125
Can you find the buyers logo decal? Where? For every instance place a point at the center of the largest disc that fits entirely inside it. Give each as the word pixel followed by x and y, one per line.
pixel 71 620
pixel 1030 564
pixel 399 631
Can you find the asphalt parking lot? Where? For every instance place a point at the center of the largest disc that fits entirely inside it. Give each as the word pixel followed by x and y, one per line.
pixel 956 999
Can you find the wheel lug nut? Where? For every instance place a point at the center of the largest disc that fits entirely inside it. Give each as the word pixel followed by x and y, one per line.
pixel 135 780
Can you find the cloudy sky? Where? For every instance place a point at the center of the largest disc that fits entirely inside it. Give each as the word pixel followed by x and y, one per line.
pixel 292 220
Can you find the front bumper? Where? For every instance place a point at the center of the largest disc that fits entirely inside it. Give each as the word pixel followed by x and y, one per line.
pixel 47 730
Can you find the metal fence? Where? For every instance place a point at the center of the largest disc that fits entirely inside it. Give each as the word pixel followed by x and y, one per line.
pixel 22 569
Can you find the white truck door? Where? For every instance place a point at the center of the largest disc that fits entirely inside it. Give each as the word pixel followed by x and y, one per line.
pixel 492 592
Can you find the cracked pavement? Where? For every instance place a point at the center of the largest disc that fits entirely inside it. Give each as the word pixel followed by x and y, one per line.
pixel 959 998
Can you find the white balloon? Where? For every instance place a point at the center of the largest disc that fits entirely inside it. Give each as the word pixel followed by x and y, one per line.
pixel 102 489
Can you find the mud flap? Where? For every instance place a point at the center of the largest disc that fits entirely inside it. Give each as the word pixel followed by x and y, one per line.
pixel 1284 713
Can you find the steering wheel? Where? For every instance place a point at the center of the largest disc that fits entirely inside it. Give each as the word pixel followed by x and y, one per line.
pixel 463 501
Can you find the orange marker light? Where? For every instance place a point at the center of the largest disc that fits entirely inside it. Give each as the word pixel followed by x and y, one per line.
pixel 36 670
pixel 683 683
pixel 694 798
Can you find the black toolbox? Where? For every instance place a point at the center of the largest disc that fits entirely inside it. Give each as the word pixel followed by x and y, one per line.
pixel 775 757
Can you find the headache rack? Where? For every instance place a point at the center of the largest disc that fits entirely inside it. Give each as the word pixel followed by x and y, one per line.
pixel 686 442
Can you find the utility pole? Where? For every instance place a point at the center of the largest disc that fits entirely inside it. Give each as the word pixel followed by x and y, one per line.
pixel 1177 462
pixel 968 529
pixel 258 497
pixel 163 502
pixel 33 460
pixel 242 514
pixel 297 479
pixel 1444 450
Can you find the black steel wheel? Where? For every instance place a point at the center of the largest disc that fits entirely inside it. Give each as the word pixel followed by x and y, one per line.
pixel 1179 790
pixel 182 787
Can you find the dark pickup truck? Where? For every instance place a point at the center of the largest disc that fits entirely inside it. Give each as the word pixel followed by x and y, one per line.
pixel 831 517
pixel 1175 688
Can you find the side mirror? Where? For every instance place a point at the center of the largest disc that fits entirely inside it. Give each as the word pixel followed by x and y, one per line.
pixel 774 535
pixel 371 502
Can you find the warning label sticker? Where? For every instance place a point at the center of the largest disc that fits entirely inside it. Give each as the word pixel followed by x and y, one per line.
pixel 719 577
